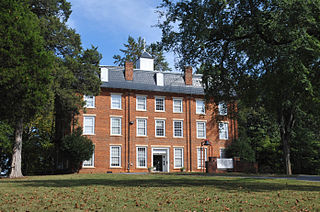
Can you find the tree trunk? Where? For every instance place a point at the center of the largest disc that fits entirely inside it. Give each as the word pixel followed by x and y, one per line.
pixel 17 150
pixel 286 124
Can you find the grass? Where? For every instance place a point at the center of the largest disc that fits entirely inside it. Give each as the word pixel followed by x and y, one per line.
pixel 155 192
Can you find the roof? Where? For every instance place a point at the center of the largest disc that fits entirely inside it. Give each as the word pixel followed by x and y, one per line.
pixel 146 81
pixel 146 55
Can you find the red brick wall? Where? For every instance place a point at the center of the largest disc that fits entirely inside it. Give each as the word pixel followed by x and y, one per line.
pixel 102 138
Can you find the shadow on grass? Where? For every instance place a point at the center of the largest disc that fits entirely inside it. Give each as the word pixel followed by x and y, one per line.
pixel 235 184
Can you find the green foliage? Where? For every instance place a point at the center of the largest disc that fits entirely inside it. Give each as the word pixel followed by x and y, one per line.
pixel 6 145
pixel 254 50
pixel 241 148
pixel 77 148
pixel 134 49
pixel 25 64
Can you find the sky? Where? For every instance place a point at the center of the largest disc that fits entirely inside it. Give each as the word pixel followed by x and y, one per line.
pixel 108 23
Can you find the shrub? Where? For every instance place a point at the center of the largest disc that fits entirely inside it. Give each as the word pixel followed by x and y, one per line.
pixel 241 148
pixel 77 148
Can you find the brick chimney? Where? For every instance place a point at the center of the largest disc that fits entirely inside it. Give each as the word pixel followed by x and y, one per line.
pixel 128 70
pixel 188 75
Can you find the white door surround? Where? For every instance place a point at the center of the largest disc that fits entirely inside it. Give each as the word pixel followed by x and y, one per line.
pixel 164 152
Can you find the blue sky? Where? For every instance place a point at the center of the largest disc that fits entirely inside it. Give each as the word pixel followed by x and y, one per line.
pixel 108 23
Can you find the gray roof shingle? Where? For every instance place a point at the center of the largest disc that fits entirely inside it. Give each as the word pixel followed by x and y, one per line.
pixel 146 81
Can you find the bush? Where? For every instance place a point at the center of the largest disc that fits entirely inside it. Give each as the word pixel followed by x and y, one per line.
pixel 77 148
pixel 241 148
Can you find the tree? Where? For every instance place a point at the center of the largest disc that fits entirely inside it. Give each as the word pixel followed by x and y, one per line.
pixel 76 70
pixel 266 50
pixel 134 49
pixel 78 148
pixel 25 71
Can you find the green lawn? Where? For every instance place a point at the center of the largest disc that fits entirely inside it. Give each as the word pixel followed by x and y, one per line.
pixel 117 192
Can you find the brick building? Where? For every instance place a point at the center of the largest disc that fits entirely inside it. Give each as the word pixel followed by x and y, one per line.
pixel 144 118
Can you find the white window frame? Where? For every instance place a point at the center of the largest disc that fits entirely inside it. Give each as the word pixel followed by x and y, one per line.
pixel 205 129
pixel 164 103
pixel 88 100
pixel 200 106
pixel 145 156
pixel 164 127
pixel 175 158
pixel 145 126
pixel 89 163
pixel 111 125
pixel 199 156
pixel 111 156
pixel 84 125
pixel 223 130
pixel 174 129
pixel 223 109
pixel 114 97
pixel 144 98
pixel 173 105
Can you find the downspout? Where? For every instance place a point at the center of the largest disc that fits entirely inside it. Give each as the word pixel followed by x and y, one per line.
pixel 190 144
pixel 125 131
pixel 129 125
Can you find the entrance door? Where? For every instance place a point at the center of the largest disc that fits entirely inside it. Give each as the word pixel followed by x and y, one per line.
pixel 158 163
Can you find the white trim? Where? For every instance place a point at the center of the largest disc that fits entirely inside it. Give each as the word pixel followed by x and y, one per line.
pixel 86 114
pixel 205 128
pixel 116 94
pixel 116 117
pixel 145 102
pixel 92 159
pixel 93 126
pixel 164 128
pixel 204 106
pixel 146 156
pixel 174 157
pixel 155 103
pixel 167 154
pixel 93 99
pixel 177 119
pixel 175 98
pixel 174 128
pixel 161 118
pixel 119 156
pixel 145 127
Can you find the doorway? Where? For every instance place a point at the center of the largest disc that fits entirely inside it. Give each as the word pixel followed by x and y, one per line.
pixel 160 159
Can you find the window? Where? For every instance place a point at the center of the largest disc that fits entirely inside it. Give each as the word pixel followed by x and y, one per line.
pixel 142 157
pixel 115 126
pixel 90 162
pixel 200 107
pixel 201 129
pixel 223 131
pixel 89 101
pixel 160 104
pixel 115 101
pixel 223 153
pixel 177 105
pixel 178 157
pixel 141 127
pixel 141 103
pixel 223 110
pixel 115 156
pixel 160 128
pixel 201 157
pixel 177 128
pixel 88 125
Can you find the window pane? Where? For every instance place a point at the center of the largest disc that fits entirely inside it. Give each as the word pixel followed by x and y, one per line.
pixel 201 129
pixel 88 127
pixel 116 101
pixel 160 128
pixel 142 127
pixel 115 126
pixel 177 128
pixel 201 157
pixel 89 101
pixel 142 156
pixel 115 156
pixel 200 107
pixel 223 130
pixel 159 104
pixel 141 103
pixel 177 105
pixel 178 157
pixel 222 109
pixel 89 162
